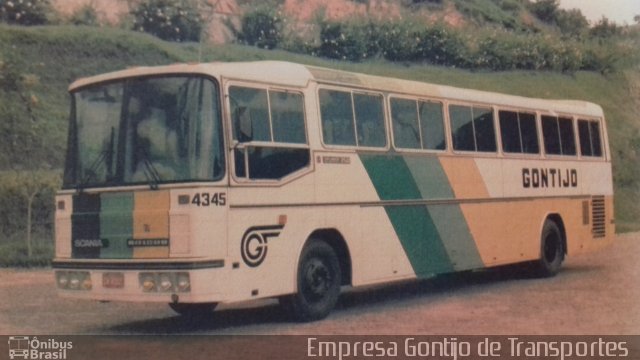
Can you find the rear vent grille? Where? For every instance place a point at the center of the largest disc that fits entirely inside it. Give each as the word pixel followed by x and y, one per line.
pixel 598 215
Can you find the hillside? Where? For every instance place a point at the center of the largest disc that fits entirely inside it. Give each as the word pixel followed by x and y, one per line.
pixel 50 57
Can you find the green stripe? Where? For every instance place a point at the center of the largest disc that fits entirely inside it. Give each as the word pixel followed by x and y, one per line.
pixel 116 225
pixel 449 220
pixel 435 238
pixel 413 225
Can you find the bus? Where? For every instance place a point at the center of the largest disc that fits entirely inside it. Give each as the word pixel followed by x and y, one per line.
pixel 201 184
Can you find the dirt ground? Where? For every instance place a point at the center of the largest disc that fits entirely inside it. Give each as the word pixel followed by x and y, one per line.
pixel 594 294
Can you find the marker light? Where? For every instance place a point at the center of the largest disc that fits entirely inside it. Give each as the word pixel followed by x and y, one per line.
pixel 183 282
pixel 165 283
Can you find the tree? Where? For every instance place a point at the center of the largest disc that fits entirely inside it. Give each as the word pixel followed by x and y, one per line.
pixel 605 28
pixel 24 159
pixel 24 187
pixel 545 10
pixel 572 22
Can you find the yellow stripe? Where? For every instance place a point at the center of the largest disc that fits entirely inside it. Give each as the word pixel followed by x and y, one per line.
pixel 464 177
pixel 151 221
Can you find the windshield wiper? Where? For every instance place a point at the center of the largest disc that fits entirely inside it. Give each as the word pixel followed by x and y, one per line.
pixel 105 156
pixel 149 170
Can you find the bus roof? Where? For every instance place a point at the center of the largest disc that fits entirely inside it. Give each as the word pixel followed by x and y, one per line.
pixel 297 75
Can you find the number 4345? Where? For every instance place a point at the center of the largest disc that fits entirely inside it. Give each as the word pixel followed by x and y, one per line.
pixel 209 199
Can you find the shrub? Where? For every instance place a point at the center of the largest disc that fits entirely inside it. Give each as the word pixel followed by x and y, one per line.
pixel 343 41
pixel 172 20
pixel 440 45
pixel 85 15
pixel 25 12
pixel 399 41
pixel 262 27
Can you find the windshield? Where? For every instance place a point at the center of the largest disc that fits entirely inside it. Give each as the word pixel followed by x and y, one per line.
pixel 145 131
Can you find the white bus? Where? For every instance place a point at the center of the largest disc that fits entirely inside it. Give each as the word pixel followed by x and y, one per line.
pixel 199 184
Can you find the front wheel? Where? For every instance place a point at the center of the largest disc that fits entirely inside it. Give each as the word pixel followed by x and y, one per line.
pixel 318 281
pixel 551 250
pixel 193 310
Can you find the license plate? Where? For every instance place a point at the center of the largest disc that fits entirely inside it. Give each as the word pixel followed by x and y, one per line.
pixel 113 280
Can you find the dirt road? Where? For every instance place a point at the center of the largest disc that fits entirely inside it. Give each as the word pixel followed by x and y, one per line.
pixel 594 294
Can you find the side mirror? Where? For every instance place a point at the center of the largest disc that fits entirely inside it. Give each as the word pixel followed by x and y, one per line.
pixel 242 119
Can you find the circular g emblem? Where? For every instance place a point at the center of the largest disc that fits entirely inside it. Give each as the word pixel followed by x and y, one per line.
pixel 253 247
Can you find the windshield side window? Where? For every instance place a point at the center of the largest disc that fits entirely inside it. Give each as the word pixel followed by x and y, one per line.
pixel 269 126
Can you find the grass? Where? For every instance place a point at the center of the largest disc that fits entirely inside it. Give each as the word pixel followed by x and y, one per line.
pixel 14 254
pixel 60 54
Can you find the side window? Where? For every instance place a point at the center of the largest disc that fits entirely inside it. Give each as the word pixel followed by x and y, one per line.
pixel 406 128
pixel 269 116
pixel 417 124
pixel 590 141
pixel 352 119
pixel 551 135
pixel 250 104
pixel 567 137
pixel 287 116
pixel 369 112
pixel 337 117
pixel 519 132
pixel 432 125
pixel 559 137
pixel 472 128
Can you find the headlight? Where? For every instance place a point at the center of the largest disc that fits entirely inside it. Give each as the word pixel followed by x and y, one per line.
pixel 148 282
pixel 183 282
pixel 74 280
pixel 165 282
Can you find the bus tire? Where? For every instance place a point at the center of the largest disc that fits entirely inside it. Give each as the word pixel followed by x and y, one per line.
pixel 193 310
pixel 318 279
pixel 551 250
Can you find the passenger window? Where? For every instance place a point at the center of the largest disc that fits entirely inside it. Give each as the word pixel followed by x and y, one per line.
pixel 251 104
pixel 559 138
pixel 484 129
pixel 270 116
pixel 352 119
pixel 529 133
pixel 406 133
pixel 337 118
pixel 472 128
pixel 287 115
pixel 510 132
pixel 519 132
pixel 551 135
pixel 369 113
pixel 567 137
pixel 417 124
pixel 432 125
pixel 590 142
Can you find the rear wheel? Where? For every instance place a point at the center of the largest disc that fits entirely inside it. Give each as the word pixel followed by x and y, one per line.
pixel 318 281
pixel 193 310
pixel 551 250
